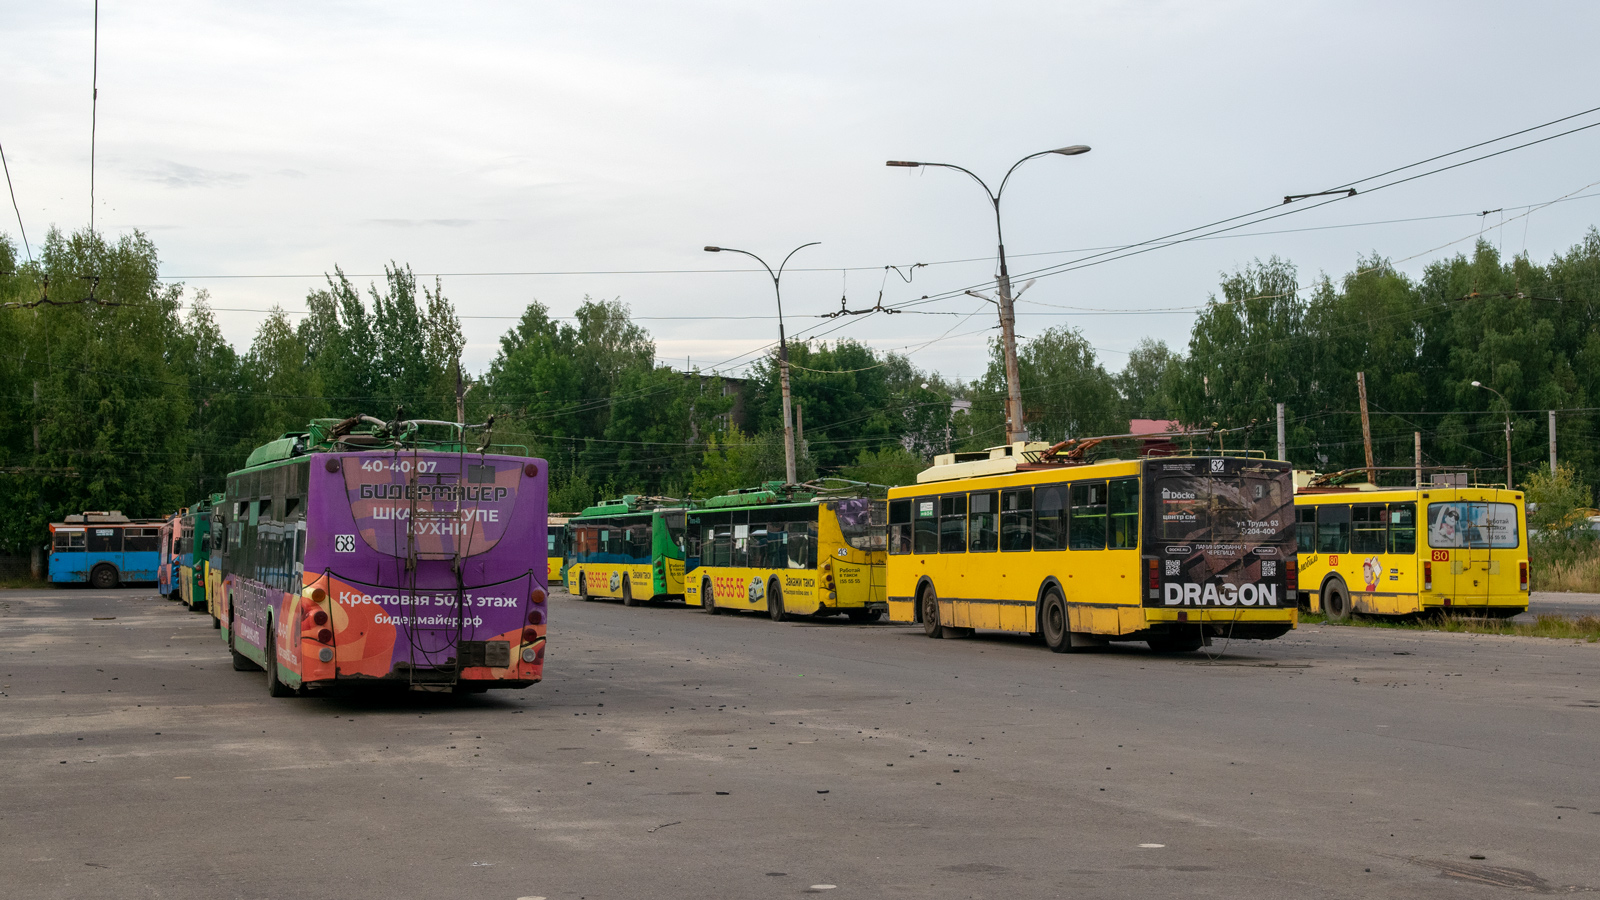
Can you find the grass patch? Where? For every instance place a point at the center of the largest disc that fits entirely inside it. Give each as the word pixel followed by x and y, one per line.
pixel 1565 564
pixel 1545 625
pixel 23 582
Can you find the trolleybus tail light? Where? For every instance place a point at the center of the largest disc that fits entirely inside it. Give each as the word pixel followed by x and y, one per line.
pixel 325 654
pixel 316 617
pixel 318 595
pixel 1155 578
pixel 530 654
pixel 535 618
pixel 321 635
pixel 1427 576
pixel 1522 569
pixel 537 595
pixel 1291 571
pixel 529 636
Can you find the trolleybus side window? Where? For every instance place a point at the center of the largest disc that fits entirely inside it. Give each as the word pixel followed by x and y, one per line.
pixel 1333 528
pixel 1368 529
pixel 1305 529
pixel 926 536
pixel 70 540
pixel 105 540
pixel 1049 517
pixel 762 537
pixel 741 540
pixel 899 526
pixel 983 527
pixel 1088 527
pixel 1016 519
pixel 1403 528
pixel 953 523
pixel 1124 504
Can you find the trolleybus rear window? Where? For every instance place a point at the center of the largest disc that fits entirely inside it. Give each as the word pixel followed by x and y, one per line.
pixel 1462 524
pixel 1237 508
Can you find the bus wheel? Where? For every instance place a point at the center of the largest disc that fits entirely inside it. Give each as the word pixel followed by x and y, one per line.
pixel 241 663
pixel 216 623
pixel 1055 624
pixel 1336 601
pixel 627 593
pixel 275 688
pixel 708 600
pixel 775 602
pixel 930 616
pixel 103 578
pixel 583 587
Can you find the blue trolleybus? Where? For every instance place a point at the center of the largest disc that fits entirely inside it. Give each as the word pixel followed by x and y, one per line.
pixel 104 549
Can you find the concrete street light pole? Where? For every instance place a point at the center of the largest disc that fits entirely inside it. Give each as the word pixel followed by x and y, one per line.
pixel 1016 430
pixel 1479 384
pixel 783 351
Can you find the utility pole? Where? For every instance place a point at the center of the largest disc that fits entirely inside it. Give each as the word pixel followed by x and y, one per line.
pixel 1016 429
pixel 1416 445
pixel 1283 444
pixel 783 350
pixel 799 424
pixel 1366 428
pixel 1552 442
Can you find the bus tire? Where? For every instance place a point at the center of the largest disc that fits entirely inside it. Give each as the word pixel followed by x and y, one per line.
pixel 103 577
pixel 929 604
pixel 1336 600
pixel 1055 625
pixel 775 602
pixel 627 592
pixel 708 599
pixel 216 623
pixel 241 663
pixel 583 587
pixel 275 688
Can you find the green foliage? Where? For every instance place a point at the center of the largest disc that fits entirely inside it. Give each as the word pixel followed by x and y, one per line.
pixel 1557 495
pixel 151 407
pixel 888 467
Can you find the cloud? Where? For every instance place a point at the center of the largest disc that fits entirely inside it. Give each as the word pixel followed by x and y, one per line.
pixel 178 175
pixel 413 223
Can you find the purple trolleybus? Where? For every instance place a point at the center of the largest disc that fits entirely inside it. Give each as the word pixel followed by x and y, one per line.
pixel 363 551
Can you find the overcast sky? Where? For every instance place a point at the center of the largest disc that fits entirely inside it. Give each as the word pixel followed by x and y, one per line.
pixel 283 139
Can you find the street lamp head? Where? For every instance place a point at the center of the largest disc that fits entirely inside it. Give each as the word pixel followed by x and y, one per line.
pixel 909 165
pixel 713 249
pixel 1477 384
pixel 1074 150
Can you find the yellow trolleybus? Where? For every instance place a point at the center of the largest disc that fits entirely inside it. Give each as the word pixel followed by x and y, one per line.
pixel 631 547
pixel 1030 537
pixel 1397 551
pixel 787 552
pixel 556 549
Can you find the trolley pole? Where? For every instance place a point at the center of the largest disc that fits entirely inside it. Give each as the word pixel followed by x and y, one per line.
pixel 783 352
pixel 1016 429
pixel 1283 445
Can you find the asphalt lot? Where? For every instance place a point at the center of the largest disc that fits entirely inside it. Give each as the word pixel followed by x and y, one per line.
pixel 675 754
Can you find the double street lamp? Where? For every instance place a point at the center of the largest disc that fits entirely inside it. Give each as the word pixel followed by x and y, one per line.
pixel 1015 428
pixel 783 350
pixel 1479 384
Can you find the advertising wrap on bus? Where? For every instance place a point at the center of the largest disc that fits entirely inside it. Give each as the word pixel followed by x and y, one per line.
pixel 1222 534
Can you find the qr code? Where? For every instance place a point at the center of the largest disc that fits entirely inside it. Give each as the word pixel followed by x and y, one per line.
pixel 344 543
pixel 1269 567
pixel 1174 566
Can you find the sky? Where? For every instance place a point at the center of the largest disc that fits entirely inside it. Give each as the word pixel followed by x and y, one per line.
pixel 556 151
